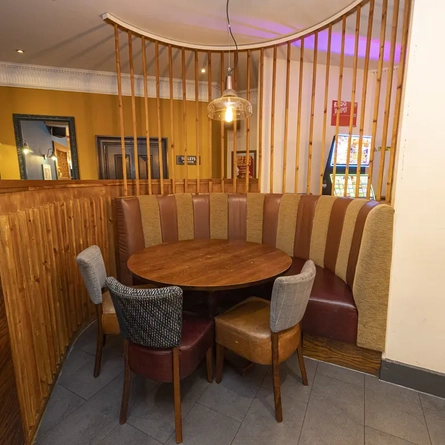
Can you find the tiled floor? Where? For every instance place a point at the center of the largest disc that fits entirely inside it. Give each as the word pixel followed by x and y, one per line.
pixel 339 407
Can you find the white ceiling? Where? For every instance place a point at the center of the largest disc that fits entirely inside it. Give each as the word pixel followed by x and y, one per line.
pixel 71 33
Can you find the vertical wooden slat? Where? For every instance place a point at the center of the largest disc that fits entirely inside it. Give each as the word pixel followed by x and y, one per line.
pixel 147 126
pixel 248 125
pixel 325 108
pixel 395 19
pixel 133 113
pixel 223 141
pixel 300 101
pixel 260 119
pixel 209 99
pixel 312 121
pixel 397 108
pixel 121 109
pixel 198 148
pixel 340 85
pixel 272 119
pixel 184 119
pixel 158 107
pixel 172 122
pixel 286 116
pixel 364 94
pixel 235 130
pixel 377 96
pixel 353 92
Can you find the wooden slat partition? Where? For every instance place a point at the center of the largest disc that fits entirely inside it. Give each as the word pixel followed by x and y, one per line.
pixel 339 97
pixel 312 122
pixel 223 145
pixel 121 109
pixel 377 93
pixel 300 103
pixel 260 118
pixel 248 124
pixel 272 119
pixel 395 18
pixel 209 93
pixel 400 79
pixel 147 122
pixel 172 121
pixel 286 115
pixel 197 129
pixel 133 113
pixel 364 92
pixel 184 119
pixel 354 87
pixel 325 107
pixel 158 109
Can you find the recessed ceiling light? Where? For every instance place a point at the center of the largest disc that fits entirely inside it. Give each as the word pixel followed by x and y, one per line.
pixel 203 70
pixel 20 51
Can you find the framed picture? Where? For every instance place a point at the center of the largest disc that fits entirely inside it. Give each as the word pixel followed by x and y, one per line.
pixel 243 164
pixel 46 169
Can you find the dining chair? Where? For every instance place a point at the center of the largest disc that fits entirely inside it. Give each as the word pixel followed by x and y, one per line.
pixel 268 332
pixel 92 269
pixel 162 342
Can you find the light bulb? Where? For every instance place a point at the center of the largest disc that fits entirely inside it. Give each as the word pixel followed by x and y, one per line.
pixel 229 114
pixel 26 150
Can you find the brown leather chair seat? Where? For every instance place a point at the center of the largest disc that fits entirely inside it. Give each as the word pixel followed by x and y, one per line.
pixel 156 364
pixel 245 328
pixel 331 311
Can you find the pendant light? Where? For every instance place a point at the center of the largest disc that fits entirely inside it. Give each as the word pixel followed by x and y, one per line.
pixel 229 107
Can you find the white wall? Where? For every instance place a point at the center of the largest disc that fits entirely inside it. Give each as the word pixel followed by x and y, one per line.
pixel 416 322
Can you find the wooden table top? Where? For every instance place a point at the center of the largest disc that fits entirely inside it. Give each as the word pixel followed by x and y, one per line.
pixel 209 264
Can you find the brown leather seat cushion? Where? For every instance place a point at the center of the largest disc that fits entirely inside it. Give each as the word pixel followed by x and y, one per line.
pixel 331 311
pixel 245 330
pixel 156 364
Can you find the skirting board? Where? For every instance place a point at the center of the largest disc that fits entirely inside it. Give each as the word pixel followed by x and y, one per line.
pixel 415 378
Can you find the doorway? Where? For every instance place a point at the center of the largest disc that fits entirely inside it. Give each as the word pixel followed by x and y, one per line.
pixel 110 157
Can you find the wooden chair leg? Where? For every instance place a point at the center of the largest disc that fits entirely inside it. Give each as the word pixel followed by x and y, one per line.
pixel 219 362
pixel 301 362
pixel 127 386
pixel 177 395
pixel 276 378
pixel 100 341
pixel 209 364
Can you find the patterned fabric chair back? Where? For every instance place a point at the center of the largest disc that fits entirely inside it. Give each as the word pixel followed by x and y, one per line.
pixel 290 296
pixel 92 269
pixel 148 317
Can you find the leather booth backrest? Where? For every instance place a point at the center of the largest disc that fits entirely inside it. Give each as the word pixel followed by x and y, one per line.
pixel 325 229
pixel 350 237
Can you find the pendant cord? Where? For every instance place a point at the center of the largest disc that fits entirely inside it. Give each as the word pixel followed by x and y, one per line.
pixel 233 38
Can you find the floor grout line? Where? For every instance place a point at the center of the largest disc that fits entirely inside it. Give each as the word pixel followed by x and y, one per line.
pixel 307 406
pixel 424 418
pixel 392 435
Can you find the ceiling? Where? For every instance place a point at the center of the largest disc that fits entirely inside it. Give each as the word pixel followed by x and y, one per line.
pixel 71 33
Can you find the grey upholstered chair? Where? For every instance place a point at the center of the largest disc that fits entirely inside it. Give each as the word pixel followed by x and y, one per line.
pixel 92 269
pixel 268 333
pixel 162 342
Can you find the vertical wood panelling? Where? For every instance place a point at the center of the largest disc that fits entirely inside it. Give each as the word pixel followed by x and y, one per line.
pixel 248 125
pixel 286 116
pixel 146 114
pixel 272 119
pixel 197 129
pixel 184 118
pixel 45 298
pixel 158 108
pixel 260 118
pixel 312 119
pixel 172 122
pixel 223 141
pixel 209 93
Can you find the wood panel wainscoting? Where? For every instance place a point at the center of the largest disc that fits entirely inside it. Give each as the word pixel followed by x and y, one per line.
pixel 42 229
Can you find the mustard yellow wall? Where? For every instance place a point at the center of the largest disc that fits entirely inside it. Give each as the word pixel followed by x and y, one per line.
pixel 98 115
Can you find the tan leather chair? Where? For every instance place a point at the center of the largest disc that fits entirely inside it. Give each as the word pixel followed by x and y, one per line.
pixel 92 269
pixel 268 333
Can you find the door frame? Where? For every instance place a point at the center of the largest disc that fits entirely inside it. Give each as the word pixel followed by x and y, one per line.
pixel 101 151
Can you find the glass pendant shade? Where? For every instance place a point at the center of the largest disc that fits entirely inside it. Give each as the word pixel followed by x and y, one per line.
pixel 229 107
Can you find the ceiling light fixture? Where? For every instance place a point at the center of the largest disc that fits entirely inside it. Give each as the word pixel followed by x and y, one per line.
pixel 20 51
pixel 50 154
pixel 229 106
pixel 203 70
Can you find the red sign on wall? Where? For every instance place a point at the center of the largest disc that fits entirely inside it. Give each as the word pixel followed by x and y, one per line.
pixel 345 113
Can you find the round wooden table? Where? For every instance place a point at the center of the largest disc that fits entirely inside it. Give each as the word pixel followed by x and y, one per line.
pixel 209 265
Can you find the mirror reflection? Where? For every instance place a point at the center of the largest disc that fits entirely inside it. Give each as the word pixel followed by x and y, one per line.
pixel 46 147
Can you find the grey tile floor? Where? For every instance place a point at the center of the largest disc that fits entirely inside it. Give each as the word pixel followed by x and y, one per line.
pixel 339 407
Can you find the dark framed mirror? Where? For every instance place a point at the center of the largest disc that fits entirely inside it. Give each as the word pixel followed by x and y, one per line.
pixel 46 146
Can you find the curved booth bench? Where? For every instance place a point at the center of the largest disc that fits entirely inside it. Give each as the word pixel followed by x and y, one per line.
pixel 349 240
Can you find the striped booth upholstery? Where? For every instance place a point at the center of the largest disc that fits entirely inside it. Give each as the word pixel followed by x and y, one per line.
pixel 349 240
